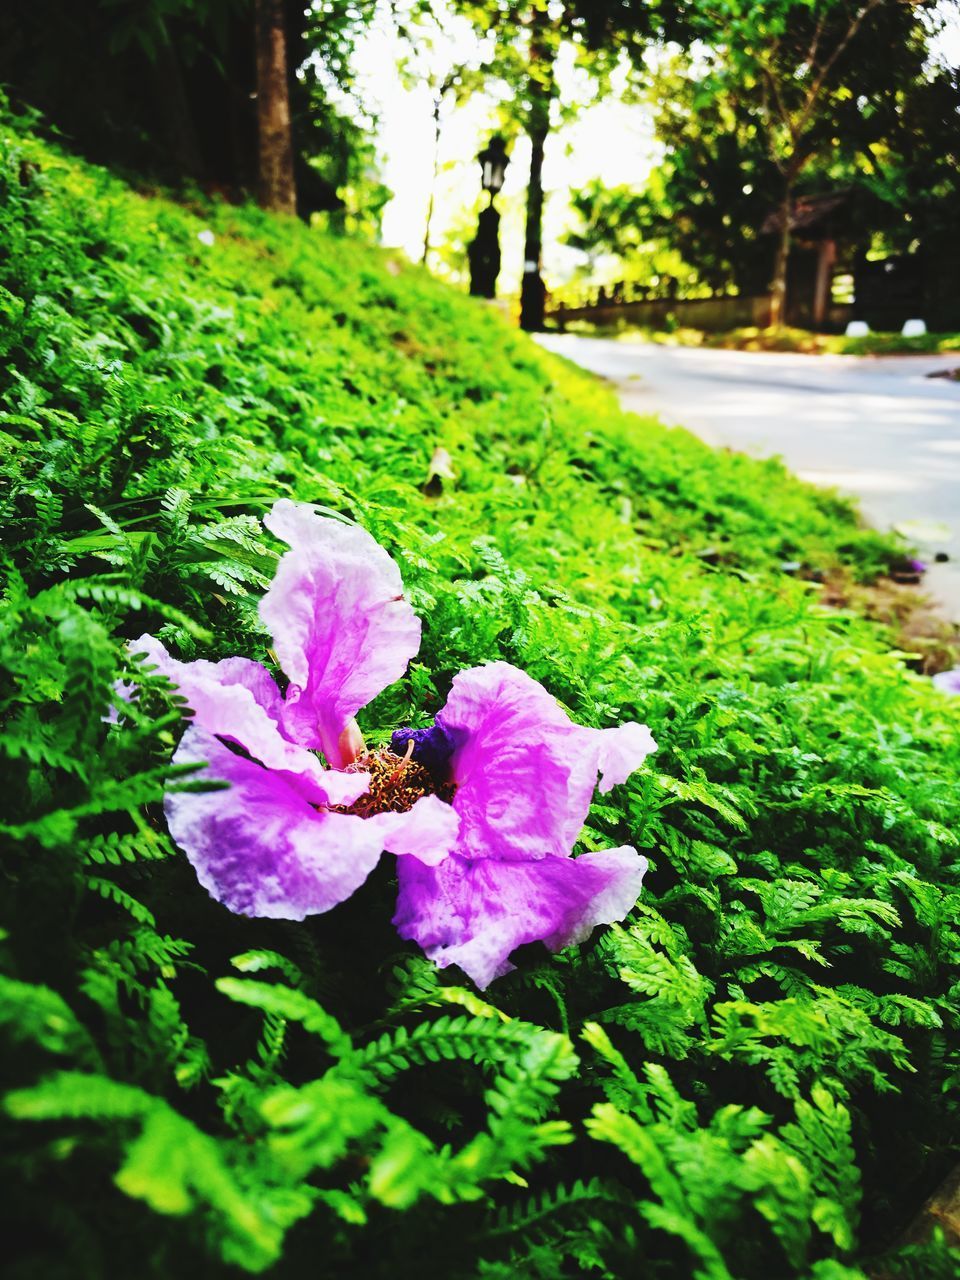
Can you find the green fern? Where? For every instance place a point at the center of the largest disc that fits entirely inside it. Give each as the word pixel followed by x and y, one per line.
pixel 171 1164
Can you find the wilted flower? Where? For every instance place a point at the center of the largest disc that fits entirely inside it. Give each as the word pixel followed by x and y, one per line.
pixel 483 808
pixel 291 837
pixel 523 775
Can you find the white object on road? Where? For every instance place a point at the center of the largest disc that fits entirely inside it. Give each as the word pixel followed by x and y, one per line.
pixel 914 328
pixel 857 329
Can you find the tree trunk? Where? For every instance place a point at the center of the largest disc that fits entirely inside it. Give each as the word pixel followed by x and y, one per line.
pixel 175 107
pixel 532 290
pixel 277 188
pixel 778 285
pixel 433 177
pixel 821 294
pixel 541 88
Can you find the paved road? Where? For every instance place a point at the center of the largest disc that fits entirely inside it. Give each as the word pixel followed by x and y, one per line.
pixel 875 427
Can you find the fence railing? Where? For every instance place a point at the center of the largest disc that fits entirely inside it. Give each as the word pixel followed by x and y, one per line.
pixel 714 315
pixel 697 313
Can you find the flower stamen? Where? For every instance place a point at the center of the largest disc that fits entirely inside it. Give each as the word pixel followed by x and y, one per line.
pixel 396 784
pixel 405 759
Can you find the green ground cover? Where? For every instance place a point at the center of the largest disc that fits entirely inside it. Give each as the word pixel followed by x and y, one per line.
pixel 800 340
pixel 756 1075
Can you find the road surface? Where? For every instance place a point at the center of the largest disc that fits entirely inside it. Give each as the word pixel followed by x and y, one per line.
pixel 875 427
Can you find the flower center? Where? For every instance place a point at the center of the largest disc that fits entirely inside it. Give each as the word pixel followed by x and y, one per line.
pixel 396 784
pixel 433 748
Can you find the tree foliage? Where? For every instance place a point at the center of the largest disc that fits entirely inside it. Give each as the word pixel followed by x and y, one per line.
pixel 168 89
pixel 779 100
pixel 527 40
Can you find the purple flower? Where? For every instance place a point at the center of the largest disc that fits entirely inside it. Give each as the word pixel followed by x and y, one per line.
pixel 948 681
pixel 523 775
pixel 483 808
pixel 290 837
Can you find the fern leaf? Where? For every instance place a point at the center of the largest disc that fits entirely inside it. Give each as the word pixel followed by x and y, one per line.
pixel 291 1004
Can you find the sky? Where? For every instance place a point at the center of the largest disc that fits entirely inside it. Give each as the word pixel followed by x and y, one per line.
pixel 610 141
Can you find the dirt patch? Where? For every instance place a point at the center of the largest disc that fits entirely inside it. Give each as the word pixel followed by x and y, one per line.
pixel 915 622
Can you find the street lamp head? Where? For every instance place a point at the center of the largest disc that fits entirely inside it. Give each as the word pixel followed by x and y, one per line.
pixel 493 164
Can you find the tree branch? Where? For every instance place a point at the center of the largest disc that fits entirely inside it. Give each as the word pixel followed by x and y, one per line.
pixel 815 41
pixel 814 91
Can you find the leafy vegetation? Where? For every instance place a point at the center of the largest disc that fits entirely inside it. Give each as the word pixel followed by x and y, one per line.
pixel 846 113
pixel 170 88
pixel 755 1075
pixel 800 340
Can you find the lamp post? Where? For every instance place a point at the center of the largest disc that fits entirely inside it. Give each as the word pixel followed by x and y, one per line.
pixel 484 248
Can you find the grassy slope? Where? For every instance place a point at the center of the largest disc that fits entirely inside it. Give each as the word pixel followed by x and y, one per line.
pixel 797 929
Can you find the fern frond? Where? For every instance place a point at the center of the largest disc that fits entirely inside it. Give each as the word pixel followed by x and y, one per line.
pixel 258 961
pixel 171 1164
pixel 516 1218
pixel 29 1012
pixel 290 1004
pixel 113 893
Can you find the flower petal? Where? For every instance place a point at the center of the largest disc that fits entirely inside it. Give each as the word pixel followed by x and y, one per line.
pixel 239 699
pixel 947 681
pixel 525 773
pixel 259 847
pixel 427 831
pixel 620 751
pixel 474 913
pixel 341 627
